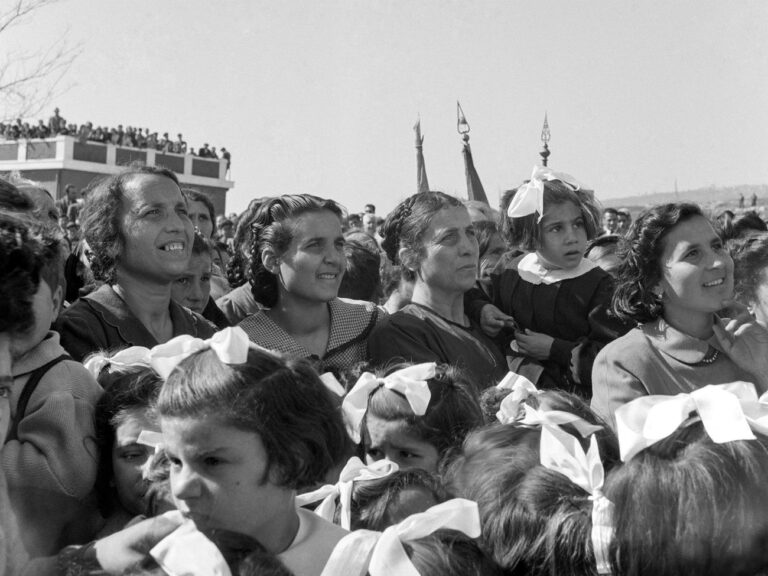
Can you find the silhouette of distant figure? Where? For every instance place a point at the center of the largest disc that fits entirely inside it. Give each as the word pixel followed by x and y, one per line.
pixel 741 200
pixel 754 199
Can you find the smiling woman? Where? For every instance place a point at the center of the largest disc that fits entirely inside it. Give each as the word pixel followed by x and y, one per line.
pixel 140 236
pixel 431 236
pixel 297 262
pixel 675 277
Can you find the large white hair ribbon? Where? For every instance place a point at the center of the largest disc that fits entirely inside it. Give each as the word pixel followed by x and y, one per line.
pixel 354 471
pixel 521 389
pixel 649 419
pixel 230 345
pixel 555 418
pixel 132 356
pixel 529 197
pixel 412 382
pixel 561 452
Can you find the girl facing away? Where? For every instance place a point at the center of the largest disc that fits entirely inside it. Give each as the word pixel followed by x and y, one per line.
pixel 674 279
pixel 242 438
pixel 415 415
pixel 552 302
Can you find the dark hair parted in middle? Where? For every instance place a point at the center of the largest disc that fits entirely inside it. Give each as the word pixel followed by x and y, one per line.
pixel 640 255
pixel 406 225
pixel 282 400
pixel 524 232
pixel 271 227
pixel 101 214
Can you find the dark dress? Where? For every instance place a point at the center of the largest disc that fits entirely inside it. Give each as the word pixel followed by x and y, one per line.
pixel 103 321
pixel 575 312
pixel 418 334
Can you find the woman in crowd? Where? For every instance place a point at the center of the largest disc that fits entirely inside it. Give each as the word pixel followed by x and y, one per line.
pixel 297 262
pixel 140 236
pixel 432 238
pixel 675 276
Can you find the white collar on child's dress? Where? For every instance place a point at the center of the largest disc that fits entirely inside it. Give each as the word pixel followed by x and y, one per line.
pixel 531 269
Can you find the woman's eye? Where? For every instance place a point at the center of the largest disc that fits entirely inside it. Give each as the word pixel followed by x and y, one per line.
pixel 579 224
pixel 692 254
pixel 5 392
pixel 210 461
pixel 555 229
pixel 182 281
pixel 375 454
pixel 133 455
pixel 405 455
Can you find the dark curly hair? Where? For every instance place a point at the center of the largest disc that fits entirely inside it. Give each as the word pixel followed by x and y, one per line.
pixel 524 232
pixel 282 400
pixel 406 225
pixel 28 254
pixel 101 214
pixel 238 267
pixel 271 228
pixel 750 259
pixel 639 254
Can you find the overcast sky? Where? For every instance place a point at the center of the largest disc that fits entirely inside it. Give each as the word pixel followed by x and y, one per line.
pixel 321 96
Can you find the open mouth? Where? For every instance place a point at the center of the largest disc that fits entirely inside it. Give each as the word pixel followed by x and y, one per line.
pixel 173 247
pixel 327 276
pixel 713 283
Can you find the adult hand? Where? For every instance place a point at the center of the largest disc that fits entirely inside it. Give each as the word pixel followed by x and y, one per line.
pixel 746 343
pixel 534 344
pixel 492 320
pixel 126 548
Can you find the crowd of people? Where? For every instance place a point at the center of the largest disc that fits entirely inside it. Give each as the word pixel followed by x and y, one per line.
pixel 454 390
pixel 128 137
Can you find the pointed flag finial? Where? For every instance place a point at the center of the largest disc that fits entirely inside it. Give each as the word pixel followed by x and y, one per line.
pixel 461 124
pixel 422 184
pixel 545 139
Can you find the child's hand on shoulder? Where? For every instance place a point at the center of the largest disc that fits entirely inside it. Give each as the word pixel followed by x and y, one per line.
pixel 492 320
pixel 534 344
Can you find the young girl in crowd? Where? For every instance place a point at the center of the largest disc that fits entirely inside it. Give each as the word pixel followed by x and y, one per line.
pixel 193 288
pixel 297 262
pixel 123 412
pixel 675 276
pixel 244 429
pixel 413 415
pixel 541 508
pixel 431 237
pixel 554 298
pixel 687 503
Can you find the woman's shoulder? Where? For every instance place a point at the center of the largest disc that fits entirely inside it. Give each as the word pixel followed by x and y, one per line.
pixel 626 347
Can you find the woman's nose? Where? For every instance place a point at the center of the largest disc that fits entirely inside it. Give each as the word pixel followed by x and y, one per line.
pixel 185 484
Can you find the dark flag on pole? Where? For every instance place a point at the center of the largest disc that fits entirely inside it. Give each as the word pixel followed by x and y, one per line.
pixel 475 190
pixel 422 184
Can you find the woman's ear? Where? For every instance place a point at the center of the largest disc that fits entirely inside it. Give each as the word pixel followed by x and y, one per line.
pixel 270 260
pixel 408 259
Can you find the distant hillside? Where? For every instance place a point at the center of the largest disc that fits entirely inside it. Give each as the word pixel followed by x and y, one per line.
pixel 711 197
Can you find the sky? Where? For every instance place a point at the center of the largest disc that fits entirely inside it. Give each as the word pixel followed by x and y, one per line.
pixel 321 96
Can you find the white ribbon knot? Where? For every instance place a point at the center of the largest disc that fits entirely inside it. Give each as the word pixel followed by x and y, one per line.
pixel 412 382
pixel 188 552
pixel 649 419
pixel 132 356
pixel 557 418
pixel 230 345
pixel 521 389
pixel 354 471
pixel 561 452
pixel 529 197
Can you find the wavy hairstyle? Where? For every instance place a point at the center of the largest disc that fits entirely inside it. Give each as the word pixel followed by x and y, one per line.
pixel 406 225
pixel 272 227
pixel 101 214
pixel 640 257
pixel 525 233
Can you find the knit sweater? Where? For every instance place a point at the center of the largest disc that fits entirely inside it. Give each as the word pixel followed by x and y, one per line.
pixel 51 467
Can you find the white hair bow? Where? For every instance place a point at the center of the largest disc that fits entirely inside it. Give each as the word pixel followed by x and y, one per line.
pixel 529 197
pixel 556 418
pixel 561 452
pixel 354 471
pixel 187 551
pixel 649 419
pixel 411 382
pixel 132 356
pixel 353 556
pixel 521 389
pixel 231 346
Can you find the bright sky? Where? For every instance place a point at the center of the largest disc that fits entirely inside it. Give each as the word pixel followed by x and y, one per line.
pixel 321 96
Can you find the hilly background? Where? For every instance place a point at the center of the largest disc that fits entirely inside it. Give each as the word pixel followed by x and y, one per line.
pixel 713 198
